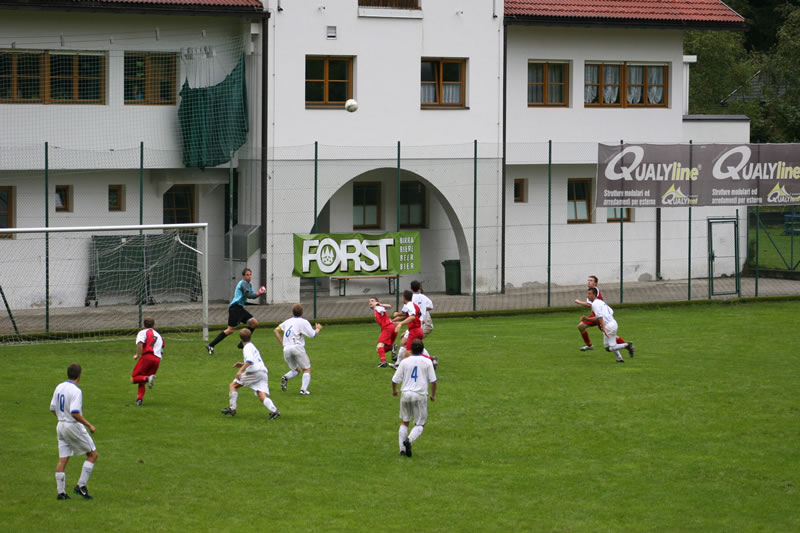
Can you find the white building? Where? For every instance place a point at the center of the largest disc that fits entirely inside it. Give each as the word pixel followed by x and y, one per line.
pixel 433 76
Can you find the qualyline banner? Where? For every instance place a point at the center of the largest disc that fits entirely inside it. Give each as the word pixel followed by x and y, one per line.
pixel 681 175
pixel 356 254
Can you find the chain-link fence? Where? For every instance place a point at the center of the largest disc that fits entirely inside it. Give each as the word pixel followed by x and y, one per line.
pixel 524 231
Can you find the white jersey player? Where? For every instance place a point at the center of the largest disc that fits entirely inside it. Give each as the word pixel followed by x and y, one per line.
pixel 252 373
pixel 608 325
pixel 414 374
pixel 73 437
pixel 291 335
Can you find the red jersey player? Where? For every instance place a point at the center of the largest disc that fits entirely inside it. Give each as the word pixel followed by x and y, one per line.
pixel 410 315
pixel 591 320
pixel 388 331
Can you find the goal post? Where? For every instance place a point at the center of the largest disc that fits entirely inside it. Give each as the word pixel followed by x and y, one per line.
pixel 64 283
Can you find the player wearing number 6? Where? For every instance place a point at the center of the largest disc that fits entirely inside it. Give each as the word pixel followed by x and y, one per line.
pixel 237 314
pixel 73 437
pixel 291 335
pixel 415 373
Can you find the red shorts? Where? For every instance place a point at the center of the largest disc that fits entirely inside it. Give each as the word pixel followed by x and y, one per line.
pixel 594 322
pixel 388 335
pixel 415 333
pixel 147 365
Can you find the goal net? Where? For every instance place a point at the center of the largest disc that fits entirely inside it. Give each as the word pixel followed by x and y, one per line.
pixel 59 284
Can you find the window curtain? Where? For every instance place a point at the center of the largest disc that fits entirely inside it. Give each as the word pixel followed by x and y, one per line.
pixel 555 92
pixel 635 82
pixel 451 94
pixel 591 74
pixel 428 93
pixel 611 84
pixel 535 84
pixel 655 80
pixel 213 120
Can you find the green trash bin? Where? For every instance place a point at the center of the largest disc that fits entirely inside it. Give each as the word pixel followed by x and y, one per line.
pixel 452 276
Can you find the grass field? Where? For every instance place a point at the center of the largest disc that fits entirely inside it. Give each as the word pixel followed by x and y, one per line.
pixel 699 432
pixel 777 250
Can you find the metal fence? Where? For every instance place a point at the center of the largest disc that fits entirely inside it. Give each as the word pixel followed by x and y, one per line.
pixel 511 222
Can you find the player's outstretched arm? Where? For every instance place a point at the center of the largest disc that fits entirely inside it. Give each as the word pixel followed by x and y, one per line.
pixel 279 335
pixel 433 391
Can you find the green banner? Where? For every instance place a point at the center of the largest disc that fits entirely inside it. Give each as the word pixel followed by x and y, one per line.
pixel 356 254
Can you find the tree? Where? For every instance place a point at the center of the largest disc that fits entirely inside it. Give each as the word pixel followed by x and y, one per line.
pixel 723 66
pixel 781 70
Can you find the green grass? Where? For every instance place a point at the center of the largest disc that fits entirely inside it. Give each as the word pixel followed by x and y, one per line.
pixel 699 432
pixel 776 249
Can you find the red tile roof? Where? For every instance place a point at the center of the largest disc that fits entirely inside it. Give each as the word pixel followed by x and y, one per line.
pixel 680 11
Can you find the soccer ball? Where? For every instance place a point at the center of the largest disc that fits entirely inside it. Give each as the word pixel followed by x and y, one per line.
pixel 351 105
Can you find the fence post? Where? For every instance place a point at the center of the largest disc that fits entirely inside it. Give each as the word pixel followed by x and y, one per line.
pixel 46 237
pixel 689 295
pixel 758 223
pixel 397 227
pixel 549 210
pixel 621 244
pixel 230 217
pixel 316 178
pixel 474 223
pixel 141 294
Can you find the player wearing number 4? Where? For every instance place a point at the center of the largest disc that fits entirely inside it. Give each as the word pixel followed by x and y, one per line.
pixel 252 373
pixel 67 405
pixel 607 324
pixel 237 314
pixel 414 373
pixel 291 335
pixel 149 345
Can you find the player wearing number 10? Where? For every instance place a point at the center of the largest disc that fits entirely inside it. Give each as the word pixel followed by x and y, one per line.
pixel 237 314
pixel 67 405
pixel 415 373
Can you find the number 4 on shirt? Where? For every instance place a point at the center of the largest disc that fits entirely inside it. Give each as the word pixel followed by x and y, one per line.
pixel 414 374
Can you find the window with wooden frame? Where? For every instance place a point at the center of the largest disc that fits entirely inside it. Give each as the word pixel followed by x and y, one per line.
pixel 579 194
pixel 151 78
pixel 520 190
pixel 63 198
pixel 646 85
pixel 116 198
pixel 6 210
pixel 366 205
pixel 49 77
pixel 548 84
pixel 614 214
pixel 329 81
pixel 443 83
pixel 625 85
pixel 179 205
pixel 412 204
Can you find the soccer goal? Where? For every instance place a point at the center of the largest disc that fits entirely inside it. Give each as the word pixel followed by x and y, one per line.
pixel 79 283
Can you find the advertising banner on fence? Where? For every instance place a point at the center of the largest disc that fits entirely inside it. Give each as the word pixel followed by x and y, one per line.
pixel 681 175
pixel 356 254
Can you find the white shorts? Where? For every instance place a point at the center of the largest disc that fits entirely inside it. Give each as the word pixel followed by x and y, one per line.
pixel 296 357
pixel 258 381
pixel 73 439
pixel 610 338
pixel 427 325
pixel 413 405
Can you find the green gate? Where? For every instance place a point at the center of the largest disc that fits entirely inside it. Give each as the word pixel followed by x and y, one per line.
pixel 723 256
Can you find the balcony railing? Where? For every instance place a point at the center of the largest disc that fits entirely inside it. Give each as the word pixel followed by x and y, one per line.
pixel 393 4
